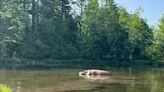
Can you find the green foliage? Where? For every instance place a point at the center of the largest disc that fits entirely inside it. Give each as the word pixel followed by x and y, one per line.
pixel 53 29
pixel 159 36
pixel 140 35
pixel 34 50
pixel 3 51
pixel 4 88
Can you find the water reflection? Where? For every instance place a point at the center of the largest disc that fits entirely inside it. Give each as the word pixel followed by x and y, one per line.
pixel 90 77
pixel 67 80
pixel 154 80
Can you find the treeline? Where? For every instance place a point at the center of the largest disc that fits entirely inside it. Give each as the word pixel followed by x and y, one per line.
pixel 85 29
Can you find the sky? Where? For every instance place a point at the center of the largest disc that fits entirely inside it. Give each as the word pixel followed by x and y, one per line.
pixel 153 9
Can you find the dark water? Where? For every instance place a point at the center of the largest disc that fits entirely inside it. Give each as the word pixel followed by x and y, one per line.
pixel 67 80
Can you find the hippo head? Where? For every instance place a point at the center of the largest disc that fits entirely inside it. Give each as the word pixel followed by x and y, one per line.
pixel 83 73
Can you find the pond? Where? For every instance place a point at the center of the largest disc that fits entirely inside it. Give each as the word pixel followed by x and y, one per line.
pixel 68 80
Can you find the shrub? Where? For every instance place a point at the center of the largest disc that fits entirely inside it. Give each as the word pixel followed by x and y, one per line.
pixel 4 88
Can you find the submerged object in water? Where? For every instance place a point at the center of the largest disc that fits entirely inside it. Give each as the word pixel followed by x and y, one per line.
pixel 95 74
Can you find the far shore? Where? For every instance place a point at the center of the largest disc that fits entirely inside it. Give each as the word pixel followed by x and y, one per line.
pixel 78 63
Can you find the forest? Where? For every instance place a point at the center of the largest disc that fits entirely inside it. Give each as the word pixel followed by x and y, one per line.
pixel 41 30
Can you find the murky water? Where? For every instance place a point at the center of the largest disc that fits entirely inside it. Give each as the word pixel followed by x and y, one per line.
pixel 67 80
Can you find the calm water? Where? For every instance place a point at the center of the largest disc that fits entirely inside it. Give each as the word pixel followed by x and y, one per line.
pixel 67 80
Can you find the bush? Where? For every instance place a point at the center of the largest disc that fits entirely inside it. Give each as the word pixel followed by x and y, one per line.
pixel 4 88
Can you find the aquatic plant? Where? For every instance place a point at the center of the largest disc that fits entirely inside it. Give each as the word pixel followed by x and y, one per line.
pixel 4 88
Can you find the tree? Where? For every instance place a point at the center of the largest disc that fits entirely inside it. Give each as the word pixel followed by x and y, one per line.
pixel 12 22
pixel 34 12
pixel 90 26
pixel 40 29
pixel 56 29
pixel 140 35
pixel 159 43
pixel 110 31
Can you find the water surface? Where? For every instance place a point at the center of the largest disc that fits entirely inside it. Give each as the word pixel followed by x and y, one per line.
pixel 67 80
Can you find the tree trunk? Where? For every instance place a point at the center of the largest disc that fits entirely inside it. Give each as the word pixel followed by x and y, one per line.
pixel 34 19
pixel 1 6
pixel 131 55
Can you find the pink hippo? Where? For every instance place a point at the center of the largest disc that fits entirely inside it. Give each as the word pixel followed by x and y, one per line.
pixel 94 74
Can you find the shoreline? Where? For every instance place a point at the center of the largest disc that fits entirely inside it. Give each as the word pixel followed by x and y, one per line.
pixel 78 63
